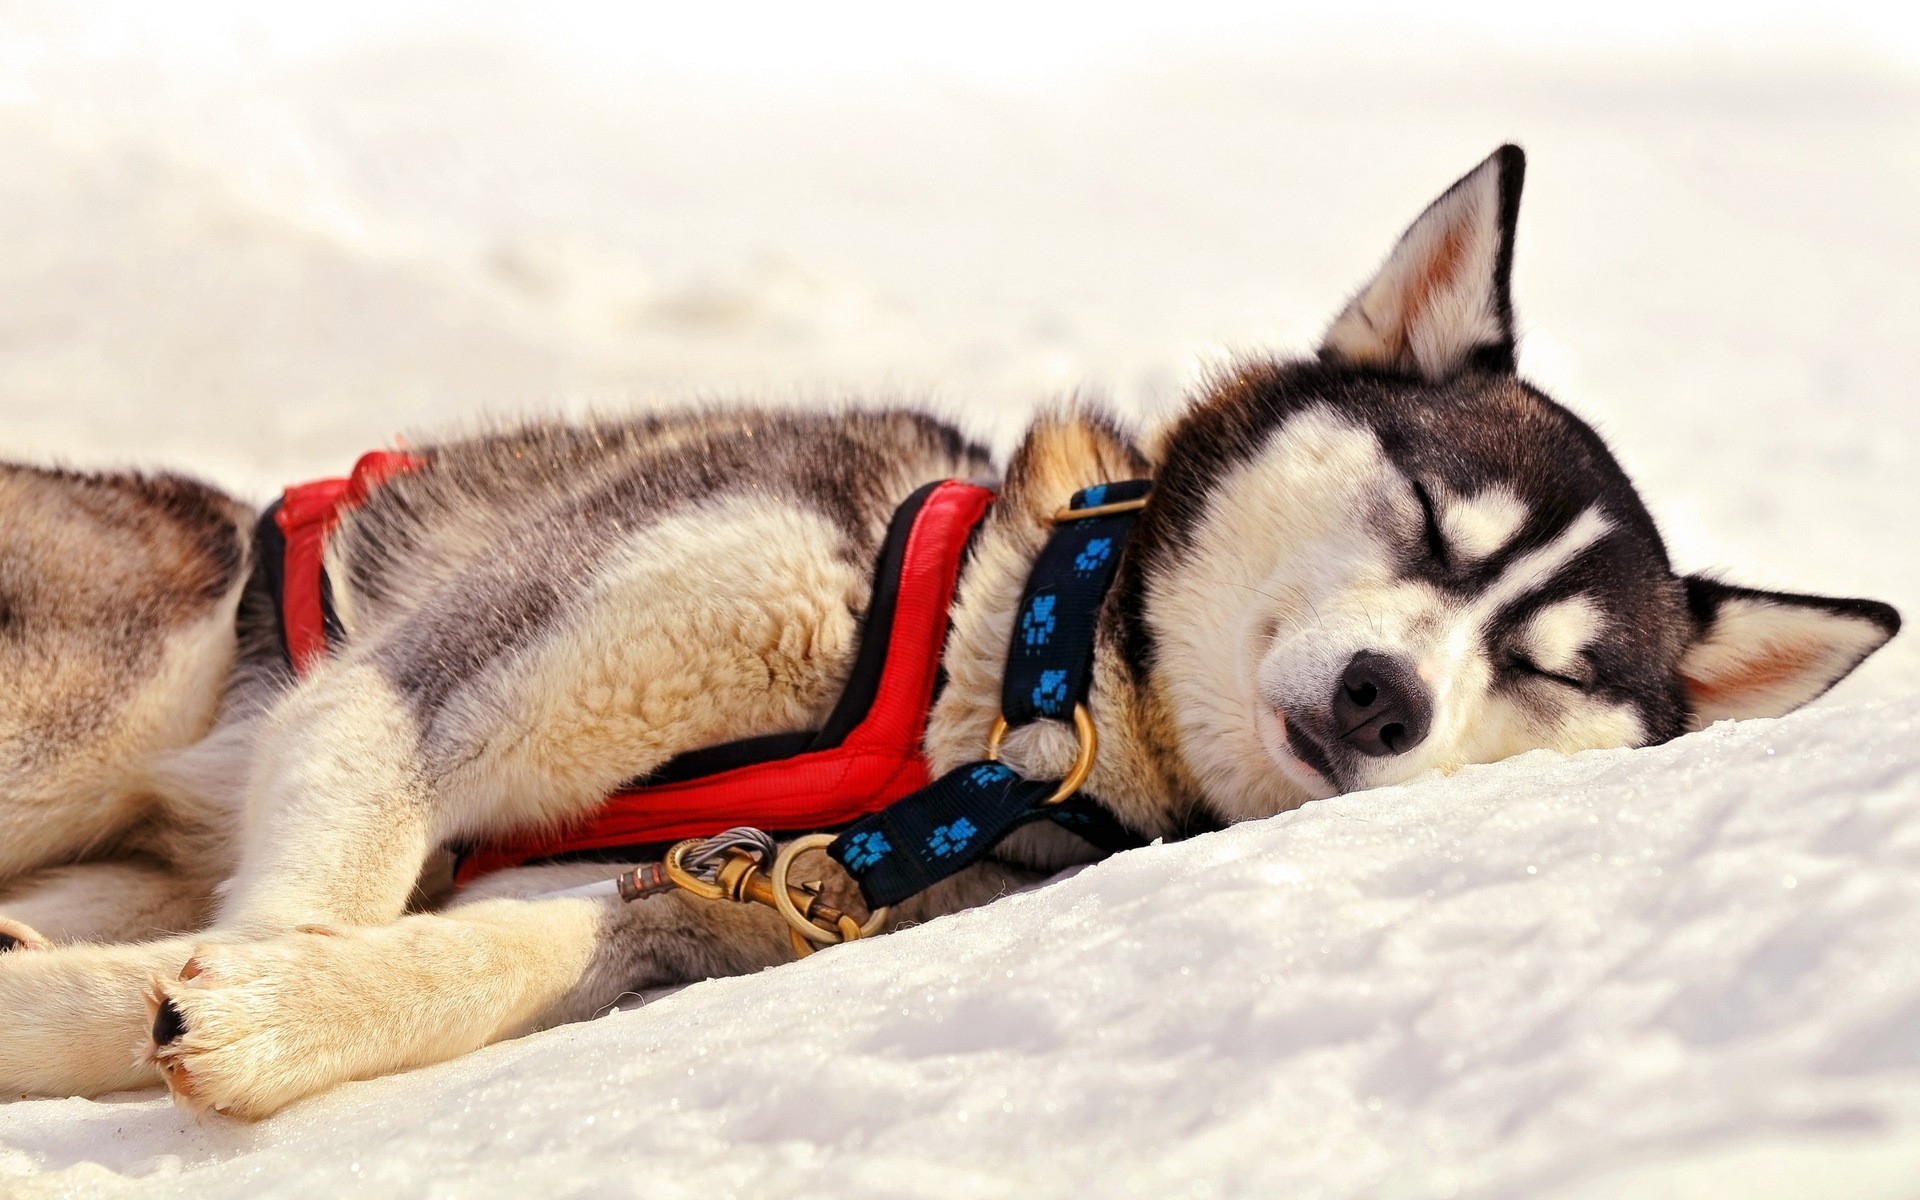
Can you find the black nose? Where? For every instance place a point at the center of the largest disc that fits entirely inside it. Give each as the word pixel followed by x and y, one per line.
pixel 1380 707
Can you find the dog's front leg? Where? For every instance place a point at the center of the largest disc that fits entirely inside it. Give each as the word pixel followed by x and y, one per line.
pixel 340 814
pixel 247 1029
pixel 339 821
pixel 72 1018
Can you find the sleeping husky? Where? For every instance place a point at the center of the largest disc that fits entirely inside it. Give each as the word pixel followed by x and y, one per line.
pixel 1395 557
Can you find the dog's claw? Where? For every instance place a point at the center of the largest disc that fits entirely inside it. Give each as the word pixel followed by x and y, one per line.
pixel 169 1025
pixel 180 1085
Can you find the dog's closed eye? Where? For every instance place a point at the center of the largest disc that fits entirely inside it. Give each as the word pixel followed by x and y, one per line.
pixel 1577 675
pixel 1435 540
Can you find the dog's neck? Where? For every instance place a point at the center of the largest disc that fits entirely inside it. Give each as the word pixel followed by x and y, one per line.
pixel 1138 774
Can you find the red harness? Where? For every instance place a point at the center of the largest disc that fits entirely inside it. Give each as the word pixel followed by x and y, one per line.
pixel 878 760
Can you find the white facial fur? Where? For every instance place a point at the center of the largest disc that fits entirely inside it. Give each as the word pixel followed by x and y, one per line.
pixel 1292 571
pixel 1477 526
pixel 1555 635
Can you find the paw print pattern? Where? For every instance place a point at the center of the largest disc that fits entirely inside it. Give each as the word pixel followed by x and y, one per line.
pixel 866 849
pixel 1036 624
pixel 951 839
pixel 1094 496
pixel 1050 694
pixel 1095 552
pixel 987 774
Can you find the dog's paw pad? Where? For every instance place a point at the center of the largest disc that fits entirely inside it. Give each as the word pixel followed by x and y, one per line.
pixel 164 1053
pixel 168 1024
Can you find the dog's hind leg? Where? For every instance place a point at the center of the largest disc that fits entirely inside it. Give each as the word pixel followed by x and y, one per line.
pixel 117 601
pixel 72 1014
pixel 122 901
pixel 73 1018
pixel 337 826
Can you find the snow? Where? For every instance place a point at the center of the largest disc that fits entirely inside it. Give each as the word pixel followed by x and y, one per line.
pixel 1686 971
pixel 1695 964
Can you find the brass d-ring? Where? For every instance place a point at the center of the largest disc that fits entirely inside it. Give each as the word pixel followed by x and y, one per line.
pixel 783 900
pixel 1083 730
pixel 687 879
pixel 1099 510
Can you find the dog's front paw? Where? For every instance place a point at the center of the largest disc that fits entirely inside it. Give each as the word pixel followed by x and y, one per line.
pixel 246 1030
pixel 17 935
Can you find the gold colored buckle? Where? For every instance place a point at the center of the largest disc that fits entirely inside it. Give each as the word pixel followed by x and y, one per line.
pixel 846 929
pixel 1083 730
pixel 1099 510
pixel 810 921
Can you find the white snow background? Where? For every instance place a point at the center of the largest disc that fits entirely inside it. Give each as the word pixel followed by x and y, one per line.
pixel 255 246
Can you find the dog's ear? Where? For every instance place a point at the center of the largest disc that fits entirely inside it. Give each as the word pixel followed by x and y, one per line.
pixel 1441 303
pixel 1763 654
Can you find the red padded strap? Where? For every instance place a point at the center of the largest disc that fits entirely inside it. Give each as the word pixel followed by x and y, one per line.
pixel 308 513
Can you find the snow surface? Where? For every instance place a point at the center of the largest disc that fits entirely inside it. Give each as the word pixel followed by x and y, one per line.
pixel 1686 971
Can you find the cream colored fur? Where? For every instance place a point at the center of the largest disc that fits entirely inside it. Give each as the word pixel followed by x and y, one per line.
pixel 717 624
pixel 305 979
pixel 314 973
pixel 89 796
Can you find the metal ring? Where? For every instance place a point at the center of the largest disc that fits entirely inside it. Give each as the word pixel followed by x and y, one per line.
pixel 1083 730
pixel 791 911
pixel 686 879
pixel 1099 510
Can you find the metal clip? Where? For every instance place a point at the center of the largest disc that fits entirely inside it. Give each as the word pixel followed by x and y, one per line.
pixel 728 867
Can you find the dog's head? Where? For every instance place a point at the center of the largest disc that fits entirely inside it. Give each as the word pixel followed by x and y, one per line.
pixel 1401 556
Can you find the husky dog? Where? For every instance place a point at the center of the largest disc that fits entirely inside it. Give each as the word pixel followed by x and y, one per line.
pixel 1392 558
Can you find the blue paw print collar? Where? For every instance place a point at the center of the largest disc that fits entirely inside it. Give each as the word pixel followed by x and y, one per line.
pixel 949 824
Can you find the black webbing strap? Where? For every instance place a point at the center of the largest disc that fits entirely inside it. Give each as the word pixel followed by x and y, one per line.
pixel 947 825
